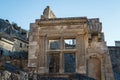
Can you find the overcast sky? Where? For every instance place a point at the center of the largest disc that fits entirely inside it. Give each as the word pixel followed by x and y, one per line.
pixel 24 12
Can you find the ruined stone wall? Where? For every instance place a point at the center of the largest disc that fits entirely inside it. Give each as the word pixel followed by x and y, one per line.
pixel 33 46
pixel 98 53
pixel 91 53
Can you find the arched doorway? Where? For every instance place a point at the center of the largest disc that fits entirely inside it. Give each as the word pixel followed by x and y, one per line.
pixel 94 67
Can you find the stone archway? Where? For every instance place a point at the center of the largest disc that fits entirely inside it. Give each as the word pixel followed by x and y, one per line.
pixel 94 67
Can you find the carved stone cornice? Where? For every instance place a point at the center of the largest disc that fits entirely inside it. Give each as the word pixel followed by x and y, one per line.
pixel 61 21
pixel 94 26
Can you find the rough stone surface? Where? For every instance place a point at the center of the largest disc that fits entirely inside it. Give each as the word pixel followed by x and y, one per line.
pixel 115 59
pixel 91 53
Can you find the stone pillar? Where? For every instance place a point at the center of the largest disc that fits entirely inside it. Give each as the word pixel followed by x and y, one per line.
pixel 45 54
pixel 33 46
pixel 42 55
pixel 61 69
pixel 80 54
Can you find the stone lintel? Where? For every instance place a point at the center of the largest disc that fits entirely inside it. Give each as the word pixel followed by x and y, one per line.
pixel 61 21
pixel 43 34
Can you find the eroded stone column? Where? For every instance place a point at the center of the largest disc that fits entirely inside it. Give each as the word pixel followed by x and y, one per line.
pixel 33 46
pixel 80 54
pixel 61 70
pixel 42 55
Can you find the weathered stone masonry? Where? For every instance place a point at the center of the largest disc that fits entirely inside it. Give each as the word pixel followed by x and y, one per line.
pixel 90 51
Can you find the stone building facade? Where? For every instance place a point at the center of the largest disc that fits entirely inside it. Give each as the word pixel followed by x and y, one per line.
pixel 115 59
pixel 53 40
pixel 20 45
pixel 13 47
pixel 12 37
pixel 6 42
pixel 117 43
pixel 13 43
